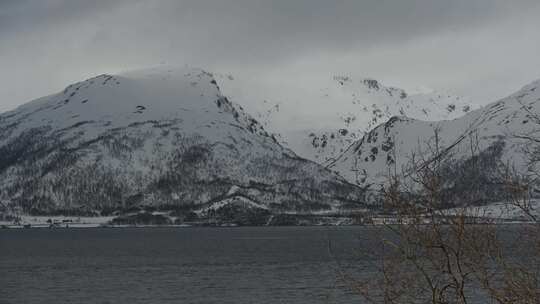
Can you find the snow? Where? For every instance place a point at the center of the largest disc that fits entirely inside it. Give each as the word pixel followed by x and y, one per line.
pixel 499 211
pixel 235 200
pixel 117 136
pixel 309 118
pixel 133 125
pixel 62 221
pixel 366 161
pixel 92 107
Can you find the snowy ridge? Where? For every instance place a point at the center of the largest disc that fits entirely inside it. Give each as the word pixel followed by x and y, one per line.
pixel 321 124
pixel 490 134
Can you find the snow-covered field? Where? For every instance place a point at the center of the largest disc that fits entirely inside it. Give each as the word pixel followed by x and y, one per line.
pixel 501 211
pixel 60 221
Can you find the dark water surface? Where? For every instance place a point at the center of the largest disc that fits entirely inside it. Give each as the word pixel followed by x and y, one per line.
pixel 181 265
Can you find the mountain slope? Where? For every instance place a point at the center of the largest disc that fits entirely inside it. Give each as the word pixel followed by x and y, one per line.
pixel 489 136
pixel 157 137
pixel 321 124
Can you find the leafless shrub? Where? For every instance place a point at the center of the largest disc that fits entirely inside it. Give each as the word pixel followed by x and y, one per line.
pixel 432 254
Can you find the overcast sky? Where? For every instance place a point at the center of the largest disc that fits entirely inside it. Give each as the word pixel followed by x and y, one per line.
pixel 484 49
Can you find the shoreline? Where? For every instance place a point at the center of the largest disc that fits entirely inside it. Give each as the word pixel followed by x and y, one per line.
pixel 315 220
pixel 184 226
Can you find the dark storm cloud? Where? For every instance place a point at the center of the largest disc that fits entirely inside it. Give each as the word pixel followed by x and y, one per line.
pixel 52 42
pixel 273 30
pixel 253 30
pixel 18 15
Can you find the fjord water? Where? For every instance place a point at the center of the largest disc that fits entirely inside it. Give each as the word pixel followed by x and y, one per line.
pixel 181 265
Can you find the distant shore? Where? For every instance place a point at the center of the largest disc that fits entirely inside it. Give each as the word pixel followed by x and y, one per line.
pixel 60 222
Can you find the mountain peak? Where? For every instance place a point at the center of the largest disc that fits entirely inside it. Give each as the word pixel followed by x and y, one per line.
pixel 347 107
pixel 155 94
pixel 494 128
pixel 152 137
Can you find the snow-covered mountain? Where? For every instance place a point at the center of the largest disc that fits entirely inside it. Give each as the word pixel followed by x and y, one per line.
pixel 489 136
pixel 321 124
pixel 160 137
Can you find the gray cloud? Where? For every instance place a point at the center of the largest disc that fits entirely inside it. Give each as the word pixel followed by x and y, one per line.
pixel 48 44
